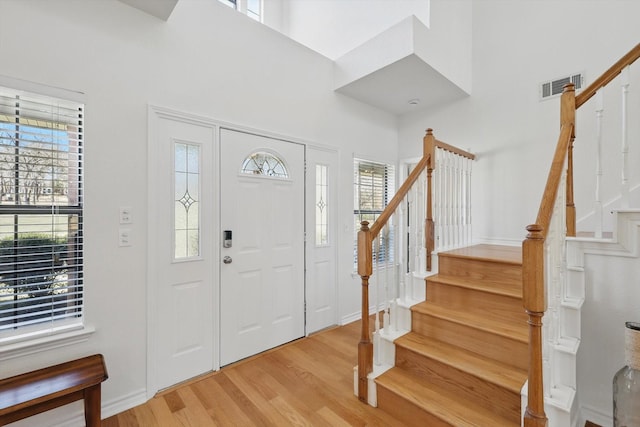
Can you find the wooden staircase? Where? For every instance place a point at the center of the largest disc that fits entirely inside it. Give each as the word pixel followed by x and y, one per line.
pixel 465 360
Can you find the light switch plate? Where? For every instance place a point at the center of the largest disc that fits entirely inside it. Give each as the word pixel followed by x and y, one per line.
pixel 124 237
pixel 126 215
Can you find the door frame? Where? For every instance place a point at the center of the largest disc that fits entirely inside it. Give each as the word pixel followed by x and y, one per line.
pixel 154 199
pixel 269 332
pixel 334 211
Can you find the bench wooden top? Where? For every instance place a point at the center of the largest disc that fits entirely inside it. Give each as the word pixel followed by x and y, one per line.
pixel 32 388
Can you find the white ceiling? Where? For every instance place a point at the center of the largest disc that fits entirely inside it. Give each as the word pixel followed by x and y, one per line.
pixel 392 87
pixel 395 70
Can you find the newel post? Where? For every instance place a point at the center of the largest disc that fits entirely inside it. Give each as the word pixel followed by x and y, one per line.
pixel 365 346
pixel 568 117
pixel 535 305
pixel 428 151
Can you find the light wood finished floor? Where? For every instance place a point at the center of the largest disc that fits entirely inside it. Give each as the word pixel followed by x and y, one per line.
pixel 306 383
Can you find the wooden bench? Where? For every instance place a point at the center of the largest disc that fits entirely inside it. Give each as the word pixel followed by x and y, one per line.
pixel 33 392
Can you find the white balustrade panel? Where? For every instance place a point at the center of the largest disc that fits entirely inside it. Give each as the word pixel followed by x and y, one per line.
pixel 452 200
pixel 613 122
pixel 598 155
pixel 555 279
pixel 624 190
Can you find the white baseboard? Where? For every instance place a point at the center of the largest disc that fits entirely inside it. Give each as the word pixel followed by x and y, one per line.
pixel 123 403
pixel 503 242
pixel 350 318
pixel 595 415
pixel 109 409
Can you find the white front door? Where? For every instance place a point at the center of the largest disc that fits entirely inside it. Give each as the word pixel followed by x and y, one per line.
pixel 262 272
pixel 182 249
pixel 322 238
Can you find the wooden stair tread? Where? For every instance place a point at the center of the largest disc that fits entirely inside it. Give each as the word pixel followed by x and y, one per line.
pixel 515 330
pixel 489 370
pixel 514 290
pixel 496 253
pixel 443 404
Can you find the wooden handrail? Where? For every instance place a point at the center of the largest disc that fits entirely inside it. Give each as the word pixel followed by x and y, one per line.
pixel 553 179
pixel 533 247
pixel 397 199
pixel 608 75
pixel 533 256
pixel 367 234
pixel 454 150
pixel 533 284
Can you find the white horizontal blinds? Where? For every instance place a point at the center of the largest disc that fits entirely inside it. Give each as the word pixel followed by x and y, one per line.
pixel 374 186
pixel 41 239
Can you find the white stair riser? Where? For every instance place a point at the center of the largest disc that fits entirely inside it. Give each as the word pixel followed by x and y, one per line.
pixel 565 369
pixel 570 322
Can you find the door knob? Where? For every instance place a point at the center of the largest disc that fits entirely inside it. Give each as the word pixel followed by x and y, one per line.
pixel 227 260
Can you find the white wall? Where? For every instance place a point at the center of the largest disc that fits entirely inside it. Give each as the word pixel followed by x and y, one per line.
pixel 516 46
pixel 206 59
pixel 447 45
pixel 334 27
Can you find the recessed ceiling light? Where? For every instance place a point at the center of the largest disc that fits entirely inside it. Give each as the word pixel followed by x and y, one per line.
pixel 414 101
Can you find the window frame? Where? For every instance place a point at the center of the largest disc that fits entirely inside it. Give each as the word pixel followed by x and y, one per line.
pixel 242 6
pixel 71 329
pixel 387 192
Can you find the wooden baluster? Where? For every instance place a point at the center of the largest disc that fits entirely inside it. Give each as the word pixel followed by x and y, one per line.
pixel 420 238
pixel 468 196
pixel 437 199
pixel 598 201
pixel 624 203
pixel 416 228
pixel 365 346
pixel 458 206
pixel 570 206
pixel 403 246
pixel 445 199
pixel 450 191
pixel 393 276
pixel 429 150
pixel 568 116
pixel 535 306
pixel 454 191
pixel 376 301
pixel 386 238
pixel 462 213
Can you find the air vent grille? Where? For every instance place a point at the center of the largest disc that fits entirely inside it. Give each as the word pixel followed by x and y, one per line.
pixel 554 88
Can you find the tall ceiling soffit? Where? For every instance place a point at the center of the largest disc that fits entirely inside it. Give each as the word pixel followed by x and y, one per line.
pixel 159 8
pixel 401 70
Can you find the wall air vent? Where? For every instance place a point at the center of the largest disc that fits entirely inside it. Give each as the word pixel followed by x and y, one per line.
pixel 553 88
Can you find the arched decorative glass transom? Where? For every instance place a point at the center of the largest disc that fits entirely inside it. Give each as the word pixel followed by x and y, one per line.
pixel 266 164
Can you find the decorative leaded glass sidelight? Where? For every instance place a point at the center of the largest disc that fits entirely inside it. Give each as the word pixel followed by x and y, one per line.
pixel 266 164
pixel 322 216
pixel 187 200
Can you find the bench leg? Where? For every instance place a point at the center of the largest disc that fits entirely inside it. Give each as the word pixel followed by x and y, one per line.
pixel 92 404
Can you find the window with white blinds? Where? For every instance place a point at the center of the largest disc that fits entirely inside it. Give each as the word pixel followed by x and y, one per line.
pixel 41 203
pixel 374 187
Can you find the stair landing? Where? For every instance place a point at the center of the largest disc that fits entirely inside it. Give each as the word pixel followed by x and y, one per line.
pixel 510 254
